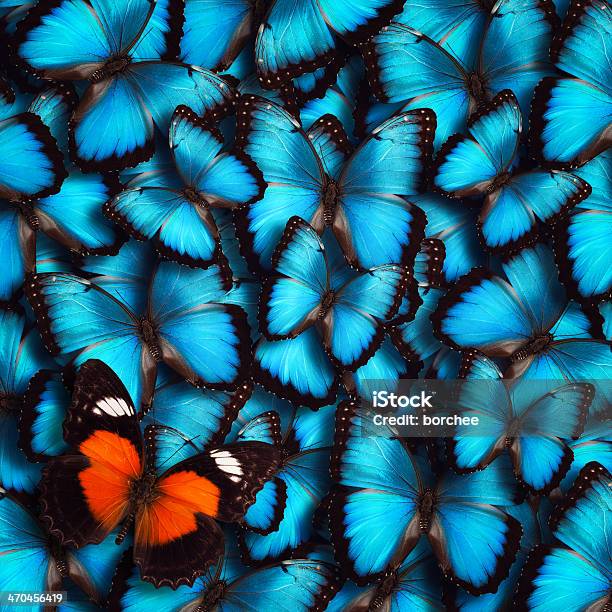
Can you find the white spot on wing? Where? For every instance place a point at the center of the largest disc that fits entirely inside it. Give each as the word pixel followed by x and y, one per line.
pixel 227 463
pixel 114 406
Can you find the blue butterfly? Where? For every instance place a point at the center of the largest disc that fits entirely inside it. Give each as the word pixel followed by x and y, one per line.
pixel 413 585
pixel 346 310
pixel 297 37
pixel 481 164
pixel 33 561
pixel 545 337
pixel 308 175
pixel 531 419
pixel 381 483
pixel 582 244
pixel 576 574
pixel 179 221
pixel 21 356
pixel 571 113
pixel 115 46
pixel 407 66
pixel 299 585
pixel 82 319
pixel 306 445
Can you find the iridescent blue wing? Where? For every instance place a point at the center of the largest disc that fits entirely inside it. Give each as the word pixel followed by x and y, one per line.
pixel 571 115
pixel 381 372
pixel 582 245
pixel 474 540
pixel 181 412
pixel 79 320
pixel 17 241
pixel 125 275
pixel 74 216
pixel 201 338
pixel 509 313
pixel 514 49
pixel 213 33
pixel 373 224
pixel 32 165
pixel 353 327
pixel 266 514
pixel 408 67
pixel 21 356
pixel 27 561
pixel 331 144
pixel 292 299
pixel 297 37
pixel 273 139
pixel 300 584
pixel 305 473
pixel 454 223
pixel 579 523
pixel 592 445
pixel 379 484
pixel 456 25
pixel 161 36
pixel 45 404
pixel 509 215
pixel 469 165
pixel 539 452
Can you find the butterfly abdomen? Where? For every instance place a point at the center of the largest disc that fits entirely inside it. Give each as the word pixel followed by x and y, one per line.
pixel 385 588
pixel 213 595
pixel 26 208
pixel 330 201
pixel 148 333
pixel 326 303
pixel 426 507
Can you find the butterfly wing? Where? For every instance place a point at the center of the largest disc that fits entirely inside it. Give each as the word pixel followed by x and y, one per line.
pixel 32 165
pixel 291 300
pixel 514 49
pixel 27 561
pixel 469 165
pixel 17 241
pixel 580 524
pixel 373 225
pixel 508 217
pixel 571 118
pixel 186 304
pixel 42 416
pixel 273 139
pixel 74 216
pixel 474 540
pixel 406 66
pixel 176 539
pixel 107 456
pixel 352 330
pixel 82 321
pixel 581 245
pixel 379 482
pixel 331 143
pixel 455 225
pixel 214 34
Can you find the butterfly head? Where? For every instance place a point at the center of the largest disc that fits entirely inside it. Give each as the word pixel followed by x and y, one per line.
pixel 330 201
pixel 427 503
pixel 148 332
pixel 535 346
pixel 113 66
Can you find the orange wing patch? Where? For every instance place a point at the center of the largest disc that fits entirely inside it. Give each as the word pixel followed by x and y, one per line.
pixel 115 462
pixel 172 515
